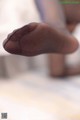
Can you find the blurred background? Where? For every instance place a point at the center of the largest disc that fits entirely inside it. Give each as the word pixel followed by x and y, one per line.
pixel 26 89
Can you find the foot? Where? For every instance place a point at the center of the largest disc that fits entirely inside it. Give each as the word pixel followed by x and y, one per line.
pixel 39 38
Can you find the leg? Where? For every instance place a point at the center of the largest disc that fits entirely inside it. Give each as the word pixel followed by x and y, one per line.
pixel 73 16
pixel 51 13
pixel 72 13
pixel 72 70
pixel 57 62
pixel 56 65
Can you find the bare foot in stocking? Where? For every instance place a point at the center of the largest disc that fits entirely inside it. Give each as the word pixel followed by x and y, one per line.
pixel 39 38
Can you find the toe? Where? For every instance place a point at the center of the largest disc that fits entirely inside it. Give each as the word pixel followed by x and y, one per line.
pixel 11 44
pixel 12 47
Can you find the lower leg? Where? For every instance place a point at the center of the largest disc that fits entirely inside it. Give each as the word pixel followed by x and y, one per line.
pixel 72 13
pixel 75 69
pixel 51 12
pixel 57 65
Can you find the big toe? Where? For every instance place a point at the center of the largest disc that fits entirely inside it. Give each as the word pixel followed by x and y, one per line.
pixel 12 47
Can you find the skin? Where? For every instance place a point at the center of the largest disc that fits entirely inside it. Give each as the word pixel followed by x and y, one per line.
pixel 47 37
pixel 72 13
pixel 39 38
pixel 57 63
pixel 52 36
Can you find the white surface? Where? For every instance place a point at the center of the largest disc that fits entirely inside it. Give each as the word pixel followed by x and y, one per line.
pixel 34 96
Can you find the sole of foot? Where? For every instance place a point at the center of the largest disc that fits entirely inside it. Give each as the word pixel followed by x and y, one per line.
pixel 39 38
